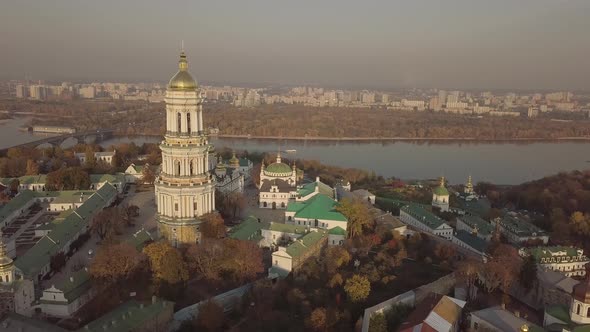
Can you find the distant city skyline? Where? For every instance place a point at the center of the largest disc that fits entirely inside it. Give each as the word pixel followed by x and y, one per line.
pixel 461 44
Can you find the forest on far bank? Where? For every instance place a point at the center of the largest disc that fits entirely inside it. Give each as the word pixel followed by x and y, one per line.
pixel 141 118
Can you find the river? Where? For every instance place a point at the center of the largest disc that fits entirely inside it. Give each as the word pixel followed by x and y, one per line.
pixel 497 162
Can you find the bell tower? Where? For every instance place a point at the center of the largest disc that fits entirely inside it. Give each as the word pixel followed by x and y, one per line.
pixel 184 188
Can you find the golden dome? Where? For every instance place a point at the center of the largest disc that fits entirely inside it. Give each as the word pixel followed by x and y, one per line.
pixel 183 79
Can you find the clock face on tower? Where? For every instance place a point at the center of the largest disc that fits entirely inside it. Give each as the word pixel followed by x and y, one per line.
pixel 184 188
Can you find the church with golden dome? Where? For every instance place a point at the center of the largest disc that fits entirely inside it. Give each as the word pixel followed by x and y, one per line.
pixel 185 189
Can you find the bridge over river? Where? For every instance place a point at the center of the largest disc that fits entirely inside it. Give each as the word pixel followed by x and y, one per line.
pixel 94 136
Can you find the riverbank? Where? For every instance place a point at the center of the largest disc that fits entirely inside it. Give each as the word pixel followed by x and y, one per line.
pixel 450 139
pixel 388 139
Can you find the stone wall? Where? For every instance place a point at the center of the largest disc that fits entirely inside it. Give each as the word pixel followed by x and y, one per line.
pixel 443 285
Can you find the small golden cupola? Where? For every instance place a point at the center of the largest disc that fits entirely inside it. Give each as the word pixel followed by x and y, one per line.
pixel 182 80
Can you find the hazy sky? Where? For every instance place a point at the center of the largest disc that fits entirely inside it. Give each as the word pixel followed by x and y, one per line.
pixel 387 43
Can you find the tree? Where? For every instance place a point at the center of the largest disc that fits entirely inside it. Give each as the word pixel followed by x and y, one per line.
pixel 444 251
pixel 502 269
pixel 358 215
pixel 204 259
pixel 148 175
pixel 336 256
pixel 467 272
pixel 580 223
pixel 357 288
pixel 378 323
pixel 90 162
pixel 128 212
pixel 210 317
pixel 166 263
pixel 14 184
pixel 116 264
pixel 335 281
pixel 528 273
pixel 32 167
pixel 57 261
pixel 213 226
pixel 242 260
pixel 106 223
pixel 317 319
pixel 235 203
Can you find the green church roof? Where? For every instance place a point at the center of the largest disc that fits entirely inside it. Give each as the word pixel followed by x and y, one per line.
pixel 278 168
pixel 337 231
pixel 441 191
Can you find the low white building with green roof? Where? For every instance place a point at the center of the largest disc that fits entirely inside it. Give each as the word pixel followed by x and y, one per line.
pixel 311 189
pixel 567 260
pixel 423 220
pixel 249 230
pixel 276 233
pixel 65 298
pixel 288 259
pixel 35 263
pixel 16 207
pixel 134 173
pixel 475 225
pixel 517 230
pixel 116 180
pixel 319 211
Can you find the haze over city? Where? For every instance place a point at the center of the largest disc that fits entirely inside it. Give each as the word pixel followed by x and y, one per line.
pixel 528 44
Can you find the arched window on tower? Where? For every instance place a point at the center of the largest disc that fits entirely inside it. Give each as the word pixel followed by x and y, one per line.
pixel 178 168
pixel 179 122
pixel 188 123
pixel 192 172
pixel 578 310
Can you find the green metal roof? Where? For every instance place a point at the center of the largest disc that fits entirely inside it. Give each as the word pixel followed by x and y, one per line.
pixel 304 243
pixel 74 289
pixel 337 231
pixel 320 206
pixel 559 312
pixel 71 196
pixel 244 162
pixel 139 239
pixel 441 191
pixel 311 187
pixel 520 227
pixel 278 168
pixel 547 252
pixel 293 206
pixel 483 227
pixel 16 203
pixel 287 228
pixel 33 179
pixel 100 178
pixel 129 316
pixel 423 216
pixel 247 230
pixel 33 261
pixel 471 240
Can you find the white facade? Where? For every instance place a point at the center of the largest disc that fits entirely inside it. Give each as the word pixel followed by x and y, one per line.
pixel 106 157
pixel 438 227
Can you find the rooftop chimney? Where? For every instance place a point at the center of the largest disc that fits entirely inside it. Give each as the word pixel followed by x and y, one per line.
pixel 71 279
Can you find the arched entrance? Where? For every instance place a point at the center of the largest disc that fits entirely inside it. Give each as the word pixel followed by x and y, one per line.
pixel 274 205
